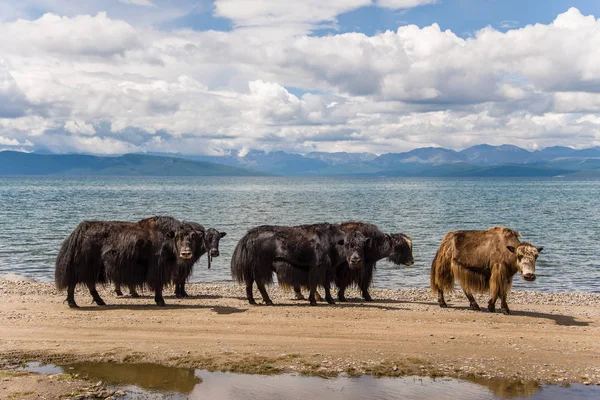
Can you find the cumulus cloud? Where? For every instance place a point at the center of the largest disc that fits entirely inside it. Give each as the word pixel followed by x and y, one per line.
pixel 302 15
pixel 79 127
pixel 102 85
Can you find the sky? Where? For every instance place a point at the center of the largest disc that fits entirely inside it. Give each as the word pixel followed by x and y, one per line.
pixel 379 76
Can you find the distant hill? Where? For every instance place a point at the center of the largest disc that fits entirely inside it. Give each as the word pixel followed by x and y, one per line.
pixel 476 161
pixel 16 163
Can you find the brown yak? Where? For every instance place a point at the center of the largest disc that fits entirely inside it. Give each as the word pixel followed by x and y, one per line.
pixel 482 260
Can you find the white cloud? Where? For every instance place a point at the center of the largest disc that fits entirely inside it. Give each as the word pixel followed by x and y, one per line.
pixel 79 127
pixel 400 4
pixel 295 16
pixel 9 142
pixel 96 84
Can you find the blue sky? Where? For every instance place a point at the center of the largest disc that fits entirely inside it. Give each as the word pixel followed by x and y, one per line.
pixel 206 76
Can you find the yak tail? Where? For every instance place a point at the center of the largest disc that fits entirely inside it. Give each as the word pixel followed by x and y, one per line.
pixel 442 277
pixel 66 260
pixel 248 264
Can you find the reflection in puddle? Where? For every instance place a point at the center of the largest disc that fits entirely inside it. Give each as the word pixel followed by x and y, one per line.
pixel 153 381
pixel 507 388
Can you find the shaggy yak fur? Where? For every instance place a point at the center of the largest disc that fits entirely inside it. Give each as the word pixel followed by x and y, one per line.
pixel 397 247
pixel 129 253
pixel 484 260
pixel 206 243
pixel 310 251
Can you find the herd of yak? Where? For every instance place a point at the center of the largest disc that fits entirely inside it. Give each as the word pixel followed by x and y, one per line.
pixel 160 251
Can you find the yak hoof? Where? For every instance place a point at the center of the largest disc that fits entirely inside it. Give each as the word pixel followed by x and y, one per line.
pixel 300 296
pixel 268 303
pixel 331 301
pixel 160 302
pixel 475 307
pixel 135 296
pixel 342 299
pixel 368 298
pixel 100 302
pixel 72 304
pixel 313 303
pixel 491 308
pixel 505 311
pixel 119 293
pixel 443 305
pixel 252 302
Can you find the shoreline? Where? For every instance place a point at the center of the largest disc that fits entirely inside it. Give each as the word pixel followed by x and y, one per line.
pixel 550 338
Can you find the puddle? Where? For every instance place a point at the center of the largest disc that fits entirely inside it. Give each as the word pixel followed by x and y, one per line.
pixel 151 381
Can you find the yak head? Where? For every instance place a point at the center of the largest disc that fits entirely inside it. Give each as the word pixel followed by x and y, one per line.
pixel 526 254
pixel 354 248
pixel 211 243
pixel 401 249
pixel 184 239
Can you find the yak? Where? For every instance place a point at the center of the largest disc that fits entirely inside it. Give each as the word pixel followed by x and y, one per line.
pixel 207 242
pixel 317 249
pixel 397 247
pixel 482 260
pixel 130 253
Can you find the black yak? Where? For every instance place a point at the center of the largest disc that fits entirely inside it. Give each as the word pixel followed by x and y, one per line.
pixel 128 253
pixel 317 249
pixel 207 243
pixel 396 247
pixel 482 260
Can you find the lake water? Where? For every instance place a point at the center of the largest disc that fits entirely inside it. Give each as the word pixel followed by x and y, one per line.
pixel 36 214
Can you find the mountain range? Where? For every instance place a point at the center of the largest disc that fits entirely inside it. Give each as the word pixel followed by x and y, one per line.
pixel 476 161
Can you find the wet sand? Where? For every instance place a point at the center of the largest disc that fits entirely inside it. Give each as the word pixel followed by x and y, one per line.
pixel 550 337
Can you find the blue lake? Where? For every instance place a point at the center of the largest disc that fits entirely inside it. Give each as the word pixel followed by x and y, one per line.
pixel 36 214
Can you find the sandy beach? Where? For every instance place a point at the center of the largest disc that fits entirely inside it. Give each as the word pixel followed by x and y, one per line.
pixel 550 337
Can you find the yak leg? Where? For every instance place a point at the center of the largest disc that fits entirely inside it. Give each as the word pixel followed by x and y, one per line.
pixel 492 303
pixel 158 297
pixel 263 293
pixel 313 290
pixel 328 297
pixel 134 294
pixel 441 300
pixel 95 295
pixel 182 291
pixel 311 296
pixel 472 302
pixel 367 277
pixel 503 303
pixel 318 296
pixel 495 288
pixel 249 294
pixel 298 293
pixel 118 290
pixel 341 294
pixel 366 295
pixel 71 297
